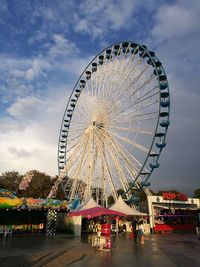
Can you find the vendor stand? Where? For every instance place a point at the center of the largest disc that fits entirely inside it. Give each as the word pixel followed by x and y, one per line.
pixel 173 212
pixel 100 238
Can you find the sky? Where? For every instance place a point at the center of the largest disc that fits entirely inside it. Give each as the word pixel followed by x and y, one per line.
pixel 45 46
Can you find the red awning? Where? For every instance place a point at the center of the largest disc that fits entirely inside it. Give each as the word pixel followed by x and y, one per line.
pixel 95 212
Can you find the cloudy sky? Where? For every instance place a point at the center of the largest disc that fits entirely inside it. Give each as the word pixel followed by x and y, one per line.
pixel 44 47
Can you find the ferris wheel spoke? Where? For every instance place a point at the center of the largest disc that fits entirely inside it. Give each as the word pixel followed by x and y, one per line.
pixel 126 110
pixel 115 154
pixel 75 136
pixel 147 97
pixel 136 89
pixel 79 166
pixel 82 114
pixel 136 145
pixel 135 79
pixel 131 130
pixel 120 96
pixel 105 162
pixel 121 74
pixel 123 152
pixel 125 120
pixel 123 117
pixel 128 165
pixel 146 105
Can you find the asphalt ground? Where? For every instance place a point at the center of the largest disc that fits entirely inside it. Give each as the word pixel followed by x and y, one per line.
pixel 163 250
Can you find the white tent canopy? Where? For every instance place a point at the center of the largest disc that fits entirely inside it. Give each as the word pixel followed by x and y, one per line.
pixel 121 206
pixel 89 203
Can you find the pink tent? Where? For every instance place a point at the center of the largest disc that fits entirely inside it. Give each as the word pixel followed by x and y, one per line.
pixel 95 212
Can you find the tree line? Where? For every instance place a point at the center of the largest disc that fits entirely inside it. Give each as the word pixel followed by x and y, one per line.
pixel 41 184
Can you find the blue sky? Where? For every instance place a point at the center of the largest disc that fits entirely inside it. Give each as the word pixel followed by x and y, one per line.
pixel 44 47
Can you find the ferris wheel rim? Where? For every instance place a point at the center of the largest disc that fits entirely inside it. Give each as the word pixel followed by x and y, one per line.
pixel 154 61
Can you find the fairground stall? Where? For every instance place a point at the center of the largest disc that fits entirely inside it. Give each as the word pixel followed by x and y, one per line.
pixel 173 212
pixel 28 215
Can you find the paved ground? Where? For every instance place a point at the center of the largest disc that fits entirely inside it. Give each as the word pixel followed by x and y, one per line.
pixel 163 250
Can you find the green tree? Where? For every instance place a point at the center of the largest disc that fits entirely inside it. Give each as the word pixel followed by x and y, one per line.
pixel 39 186
pixel 10 180
pixel 120 192
pixel 197 193
pixel 110 200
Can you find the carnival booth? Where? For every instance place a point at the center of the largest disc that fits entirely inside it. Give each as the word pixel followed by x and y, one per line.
pixel 96 222
pixel 28 215
pixel 173 212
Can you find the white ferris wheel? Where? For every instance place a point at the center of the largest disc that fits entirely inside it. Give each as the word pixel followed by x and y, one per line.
pixel 115 124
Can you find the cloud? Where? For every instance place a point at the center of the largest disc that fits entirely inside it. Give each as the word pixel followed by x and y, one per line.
pixel 62 47
pixel 25 108
pixel 176 20
pixel 18 76
pixel 97 18
pixel 39 36
pixel 9 125
pixel 29 137
pixel 21 153
pixel 36 69
pixel 176 36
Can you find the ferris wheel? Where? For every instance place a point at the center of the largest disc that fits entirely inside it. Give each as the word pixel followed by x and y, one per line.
pixel 115 124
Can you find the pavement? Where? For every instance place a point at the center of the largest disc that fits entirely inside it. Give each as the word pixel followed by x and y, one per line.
pixel 163 250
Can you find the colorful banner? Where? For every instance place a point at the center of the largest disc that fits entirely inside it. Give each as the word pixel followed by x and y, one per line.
pixel 32 203
pixel 7 193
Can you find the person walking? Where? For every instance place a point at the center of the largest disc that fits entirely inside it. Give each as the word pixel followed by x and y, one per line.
pixel 141 231
pixel 135 229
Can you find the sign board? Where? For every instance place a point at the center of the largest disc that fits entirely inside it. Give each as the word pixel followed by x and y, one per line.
pixel 175 196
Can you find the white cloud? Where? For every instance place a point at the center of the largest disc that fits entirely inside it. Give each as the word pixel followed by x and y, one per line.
pixel 120 14
pixel 176 20
pixel 17 73
pixel 37 37
pixel 36 69
pixel 62 47
pixel 22 153
pixel 8 125
pixel 25 108
pixel 97 18
pixel 29 138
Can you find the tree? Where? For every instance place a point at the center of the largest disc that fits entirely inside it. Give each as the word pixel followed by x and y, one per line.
pixel 197 193
pixel 121 192
pixel 10 180
pixel 39 186
pixel 110 200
